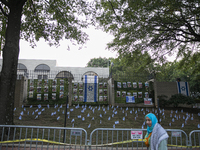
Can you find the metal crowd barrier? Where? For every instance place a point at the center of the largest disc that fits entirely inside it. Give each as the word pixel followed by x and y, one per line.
pixel 14 137
pixel 194 139
pixel 41 137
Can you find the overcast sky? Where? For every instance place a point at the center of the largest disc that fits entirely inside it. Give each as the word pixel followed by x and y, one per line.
pixel 94 48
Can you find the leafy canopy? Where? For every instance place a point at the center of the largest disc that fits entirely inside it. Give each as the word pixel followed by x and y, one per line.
pixel 51 20
pixel 159 27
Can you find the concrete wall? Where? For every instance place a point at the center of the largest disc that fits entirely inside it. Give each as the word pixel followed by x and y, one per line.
pixel 165 88
pixel 19 93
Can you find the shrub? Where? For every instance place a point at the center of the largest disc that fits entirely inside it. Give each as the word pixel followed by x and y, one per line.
pixel 177 99
pixel 162 100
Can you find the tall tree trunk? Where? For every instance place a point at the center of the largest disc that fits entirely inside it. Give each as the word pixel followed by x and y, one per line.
pixel 10 61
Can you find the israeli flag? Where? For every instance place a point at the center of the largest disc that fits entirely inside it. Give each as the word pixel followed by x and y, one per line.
pixel 90 88
pixel 183 88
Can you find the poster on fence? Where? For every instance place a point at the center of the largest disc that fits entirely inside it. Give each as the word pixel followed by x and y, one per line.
pixel 136 135
pixel 130 99
pixel 148 101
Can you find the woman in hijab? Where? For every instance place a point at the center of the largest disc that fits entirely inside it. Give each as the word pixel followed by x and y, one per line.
pixel 156 137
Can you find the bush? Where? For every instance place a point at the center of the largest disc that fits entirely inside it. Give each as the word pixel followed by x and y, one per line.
pixel 177 99
pixel 162 100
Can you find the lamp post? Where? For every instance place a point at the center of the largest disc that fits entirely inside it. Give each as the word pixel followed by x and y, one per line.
pixel 112 64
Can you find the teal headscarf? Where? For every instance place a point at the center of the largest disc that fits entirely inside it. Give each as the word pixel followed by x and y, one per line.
pixel 153 119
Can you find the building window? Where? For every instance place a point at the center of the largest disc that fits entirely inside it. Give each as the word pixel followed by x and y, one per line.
pixel 21 67
pixel 42 77
pixel 42 67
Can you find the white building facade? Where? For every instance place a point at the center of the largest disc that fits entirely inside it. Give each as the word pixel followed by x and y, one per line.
pixel 48 69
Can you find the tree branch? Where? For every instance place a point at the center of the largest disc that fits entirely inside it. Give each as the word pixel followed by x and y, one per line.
pixel 5 14
pixel 5 2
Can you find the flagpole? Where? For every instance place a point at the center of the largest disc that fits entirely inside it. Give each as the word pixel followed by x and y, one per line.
pixel 65 118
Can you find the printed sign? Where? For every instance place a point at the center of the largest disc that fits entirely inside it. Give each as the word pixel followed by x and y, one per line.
pixel 176 134
pixel 147 101
pixel 76 132
pixel 136 134
pixel 130 99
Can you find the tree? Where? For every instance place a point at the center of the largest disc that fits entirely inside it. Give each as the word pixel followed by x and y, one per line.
pixel 99 62
pixel 32 20
pixel 158 27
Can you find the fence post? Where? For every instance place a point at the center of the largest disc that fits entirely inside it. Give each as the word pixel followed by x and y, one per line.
pixel 158 110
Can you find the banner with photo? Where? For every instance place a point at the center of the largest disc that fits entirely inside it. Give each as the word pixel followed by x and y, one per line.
pixel 148 101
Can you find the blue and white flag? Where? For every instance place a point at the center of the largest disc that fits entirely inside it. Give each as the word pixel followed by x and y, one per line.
pixel 90 88
pixel 183 88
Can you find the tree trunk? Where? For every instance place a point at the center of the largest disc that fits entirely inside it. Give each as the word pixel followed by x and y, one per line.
pixel 10 61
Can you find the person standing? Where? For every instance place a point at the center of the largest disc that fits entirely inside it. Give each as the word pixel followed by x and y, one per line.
pixel 156 137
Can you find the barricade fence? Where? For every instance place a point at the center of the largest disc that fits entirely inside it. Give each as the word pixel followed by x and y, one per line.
pixel 42 137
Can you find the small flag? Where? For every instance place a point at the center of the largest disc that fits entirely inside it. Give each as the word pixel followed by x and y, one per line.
pixel 43 109
pixel 33 113
pixel 113 125
pixel 92 118
pixel 89 125
pixel 22 113
pixel 108 118
pixel 72 120
pixel 39 113
pixel 182 125
pixel 198 126
pixel 170 124
pixel 31 106
pixel 123 119
pixel 100 121
pixel 14 109
pixel 20 117
pixel 100 115
pixel 83 119
pixel 116 122
pixel 58 117
pixel 36 117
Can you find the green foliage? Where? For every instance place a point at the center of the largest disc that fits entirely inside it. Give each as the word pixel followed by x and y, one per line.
pixel 177 99
pixel 163 100
pixel 99 62
pixel 158 27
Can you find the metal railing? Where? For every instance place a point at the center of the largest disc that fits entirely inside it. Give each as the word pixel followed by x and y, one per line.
pixel 55 138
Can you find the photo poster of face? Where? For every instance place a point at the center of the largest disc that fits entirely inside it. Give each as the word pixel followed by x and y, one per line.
pixel 129 84
pixel 53 96
pixel 140 85
pixel 135 94
pixel 61 95
pixel 30 94
pixel 31 82
pixel 53 88
pixel 80 85
pixel 124 85
pixel 100 98
pixel 139 94
pixel 46 82
pixel 80 98
pixel 45 96
pixel 105 91
pixel 75 85
pixel 75 98
pixel 61 82
pixel 80 91
pixel 39 89
pixel 148 101
pixel 105 98
pixel 39 83
pixel 74 91
pixel 146 95
pixel 123 93
pixel 100 85
pixel 118 93
pixel 119 85
pixel 146 85
pixel 105 85
pixel 54 82
pixel 38 97
pixel 31 88
pixel 100 91
pixel 128 93
pixel 46 89
pixel 134 85
pixel 62 88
